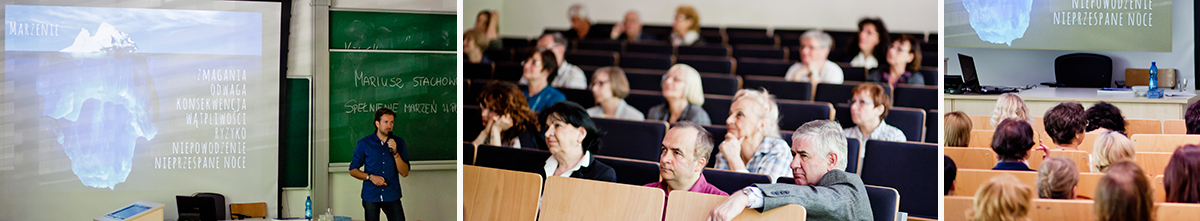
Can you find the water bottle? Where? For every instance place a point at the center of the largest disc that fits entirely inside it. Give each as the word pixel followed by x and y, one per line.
pixel 308 208
pixel 1153 75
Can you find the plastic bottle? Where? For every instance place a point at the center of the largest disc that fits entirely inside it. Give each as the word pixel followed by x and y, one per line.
pixel 308 208
pixel 1153 75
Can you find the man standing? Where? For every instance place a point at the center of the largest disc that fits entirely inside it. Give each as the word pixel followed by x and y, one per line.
pixel 685 151
pixel 384 158
pixel 822 187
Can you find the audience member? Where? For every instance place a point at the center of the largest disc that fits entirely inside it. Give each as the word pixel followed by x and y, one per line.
pixel 752 143
pixel 580 24
pixel 609 88
pixel 684 94
pixel 474 43
pixel 1181 179
pixel 1065 123
pixel 572 138
pixel 1191 118
pixel 958 129
pixel 506 117
pixel 685 151
pixel 822 187
pixel 903 63
pixel 1105 116
pixel 951 172
pixel 1124 194
pixel 868 108
pixel 629 29
pixel 814 65
pixel 1010 105
pixel 569 76
pixel 488 22
pixel 1110 147
pixel 540 69
pixel 1057 178
pixel 1002 198
pixel 871 39
pixel 686 29
pixel 1011 142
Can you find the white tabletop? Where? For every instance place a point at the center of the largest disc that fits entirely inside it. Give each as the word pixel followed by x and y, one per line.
pixel 1079 94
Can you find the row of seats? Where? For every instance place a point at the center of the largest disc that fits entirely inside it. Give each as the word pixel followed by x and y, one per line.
pixel 1132 126
pixel 1152 163
pixel 497 194
pixel 907 167
pixel 1050 209
pixel 790 37
pixel 1166 143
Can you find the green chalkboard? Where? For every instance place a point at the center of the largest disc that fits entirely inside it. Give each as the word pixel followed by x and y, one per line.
pixel 420 87
pixel 293 159
pixel 392 31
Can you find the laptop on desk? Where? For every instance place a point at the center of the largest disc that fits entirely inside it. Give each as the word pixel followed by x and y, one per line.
pixel 971 78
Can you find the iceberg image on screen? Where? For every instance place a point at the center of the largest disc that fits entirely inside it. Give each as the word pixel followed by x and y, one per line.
pixel 999 21
pixel 100 98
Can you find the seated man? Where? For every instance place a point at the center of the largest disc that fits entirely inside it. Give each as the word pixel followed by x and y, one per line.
pixel 685 151
pixel 822 186
pixel 568 75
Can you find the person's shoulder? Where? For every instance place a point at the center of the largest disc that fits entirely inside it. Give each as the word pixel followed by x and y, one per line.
pixel 834 177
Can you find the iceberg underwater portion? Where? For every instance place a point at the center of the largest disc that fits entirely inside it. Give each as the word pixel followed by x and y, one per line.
pixel 999 21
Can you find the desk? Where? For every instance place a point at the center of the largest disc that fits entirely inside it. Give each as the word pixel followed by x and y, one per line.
pixel 1041 99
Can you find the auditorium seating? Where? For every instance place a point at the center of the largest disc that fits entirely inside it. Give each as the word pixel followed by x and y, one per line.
pixel 759 51
pixel 580 96
pixel 477 71
pixel 708 64
pixel 591 58
pixel 885 202
pixel 1174 126
pixel 512 42
pixel 468 153
pixel 1087 184
pixel 1078 156
pixel 630 171
pixel 495 194
pixel 916 96
pixel 981 123
pixel 1176 211
pixel 1153 163
pixel 499 54
pixel 730 181
pixel 793 113
pixel 717 107
pixel 720 84
pixel 1162 142
pixel 709 50
pixel 472 122
pixel 957 206
pixel 932 127
pixel 763 67
pixel 1143 126
pixel 980 138
pixel 645 79
pixel 643 100
pixel 967 181
pixel 508 71
pixel 971 158
pixel 1050 209
pixel 650 47
pixel 909 120
pixel 780 88
pixel 600 45
pixel 646 61
pixel 840 93
pixel 1160 192
pixel 684 205
pixel 580 199
pixel 893 164
pixel 853 73
pixel 508 158
pixel 640 140
pixel 755 41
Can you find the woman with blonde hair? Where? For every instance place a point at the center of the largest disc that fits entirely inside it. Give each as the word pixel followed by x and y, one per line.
pixel 1010 105
pixel 1057 178
pixel 684 94
pixel 609 88
pixel 1003 198
pixel 686 29
pixel 752 143
pixel 1110 147
pixel 958 129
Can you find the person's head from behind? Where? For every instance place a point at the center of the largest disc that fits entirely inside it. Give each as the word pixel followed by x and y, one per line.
pixel 1181 179
pixel 1009 105
pixel 1191 118
pixel 1123 194
pixel 384 120
pixel 569 129
pixel 540 66
pixel 872 33
pixel 503 101
pixel 474 41
pixel 869 105
pixel 686 19
pixel 1002 198
pixel 682 82
pixel 609 83
pixel 905 51
pixel 685 151
pixel 1057 178
pixel 1012 140
pixel 951 173
pixel 1105 115
pixel 1066 123
pixel 579 18
pixel 1111 147
pixel 817 148
pixel 958 129
pixel 483 19
pixel 555 42
pixel 632 23
pixel 815 46
pixel 753 112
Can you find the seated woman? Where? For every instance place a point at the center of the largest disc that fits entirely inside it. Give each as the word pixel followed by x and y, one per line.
pixel 1002 198
pixel 487 22
pixel 572 138
pixel 868 108
pixel 506 118
pixel 752 143
pixel 871 43
pixel 1110 147
pixel 814 65
pixel 541 69
pixel 609 87
pixel 474 43
pixel 1180 180
pixel 903 63
pixel 1011 142
pixel 1191 118
pixel 1010 105
pixel 686 29
pixel 1057 178
pixel 1124 194
pixel 684 93
pixel 1066 124
pixel 958 129
pixel 1105 116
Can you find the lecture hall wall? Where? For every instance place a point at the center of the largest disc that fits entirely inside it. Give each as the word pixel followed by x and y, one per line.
pixel 1020 67
pixel 530 17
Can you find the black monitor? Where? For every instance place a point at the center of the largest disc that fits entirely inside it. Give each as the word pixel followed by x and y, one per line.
pixel 196 208
pixel 970 78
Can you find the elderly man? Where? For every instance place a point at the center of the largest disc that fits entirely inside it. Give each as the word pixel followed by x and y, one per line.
pixel 685 151
pixel 569 76
pixel 580 23
pixel 630 29
pixel 814 65
pixel 822 187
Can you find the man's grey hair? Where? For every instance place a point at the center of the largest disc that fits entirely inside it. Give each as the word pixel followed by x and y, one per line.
pixel 823 39
pixel 826 135
pixel 704 141
pixel 577 9
pixel 559 40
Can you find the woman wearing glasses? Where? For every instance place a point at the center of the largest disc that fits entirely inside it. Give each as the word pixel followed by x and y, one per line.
pixel 684 94
pixel 903 61
pixel 868 108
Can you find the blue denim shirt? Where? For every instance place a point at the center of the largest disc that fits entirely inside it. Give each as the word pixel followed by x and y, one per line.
pixel 375 158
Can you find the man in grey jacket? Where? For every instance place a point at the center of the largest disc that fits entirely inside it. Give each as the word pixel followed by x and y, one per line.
pixel 822 186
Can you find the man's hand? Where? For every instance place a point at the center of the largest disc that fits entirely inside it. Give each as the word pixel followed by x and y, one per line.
pixel 730 208
pixel 378 181
pixel 392 144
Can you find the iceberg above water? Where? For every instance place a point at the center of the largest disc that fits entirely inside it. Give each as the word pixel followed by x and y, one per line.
pixel 999 21
pixel 107 39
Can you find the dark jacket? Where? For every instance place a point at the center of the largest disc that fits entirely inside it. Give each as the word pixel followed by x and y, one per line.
pixel 594 171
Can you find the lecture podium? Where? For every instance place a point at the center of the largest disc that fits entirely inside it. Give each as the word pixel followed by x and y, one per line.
pixel 1041 99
